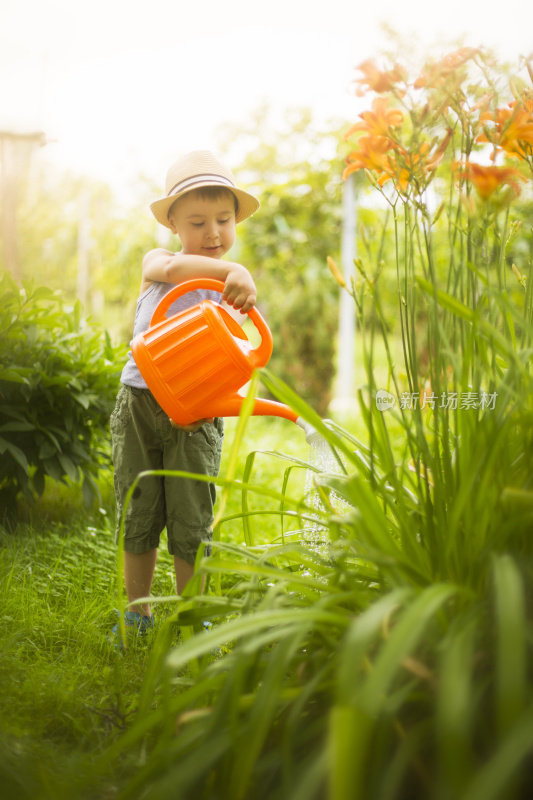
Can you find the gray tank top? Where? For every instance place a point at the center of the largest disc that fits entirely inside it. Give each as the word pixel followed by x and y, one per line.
pixel 146 305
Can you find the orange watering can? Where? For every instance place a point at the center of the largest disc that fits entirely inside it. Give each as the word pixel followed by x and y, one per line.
pixel 195 362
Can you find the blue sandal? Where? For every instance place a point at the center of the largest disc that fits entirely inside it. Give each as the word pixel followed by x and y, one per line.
pixel 133 621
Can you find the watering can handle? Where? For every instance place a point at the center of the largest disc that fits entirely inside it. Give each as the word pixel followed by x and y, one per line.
pixel 258 357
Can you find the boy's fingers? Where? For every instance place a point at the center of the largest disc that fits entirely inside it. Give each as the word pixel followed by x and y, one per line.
pixel 193 425
pixel 243 302
pixel 246 307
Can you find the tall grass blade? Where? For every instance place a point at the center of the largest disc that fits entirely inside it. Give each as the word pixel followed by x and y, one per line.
pixel 493 335
pixel 511 645
pixel 505 775
pixel 276 622
pixel 233 460
pixel 349 731
pixel 401 642
pixel 456 706
pixel 261 717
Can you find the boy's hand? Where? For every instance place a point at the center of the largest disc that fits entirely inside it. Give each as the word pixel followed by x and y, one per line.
pixel 239 289
pixel 193 425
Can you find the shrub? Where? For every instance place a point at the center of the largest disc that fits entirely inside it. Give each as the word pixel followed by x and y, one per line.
pixel 306 325
pixel 58 376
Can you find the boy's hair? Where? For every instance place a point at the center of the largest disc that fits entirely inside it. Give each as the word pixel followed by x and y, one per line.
pixel 207 193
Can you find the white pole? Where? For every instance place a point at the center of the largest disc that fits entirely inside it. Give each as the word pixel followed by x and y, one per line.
pixel 344 399
pixel 15 154
pixel 84 242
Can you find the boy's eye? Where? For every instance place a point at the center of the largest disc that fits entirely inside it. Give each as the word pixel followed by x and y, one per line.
pixel 219 222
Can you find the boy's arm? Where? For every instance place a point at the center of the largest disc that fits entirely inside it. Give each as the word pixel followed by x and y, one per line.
pixel 167 267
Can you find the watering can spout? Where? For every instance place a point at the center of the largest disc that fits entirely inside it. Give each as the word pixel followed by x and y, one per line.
pixel 231 407
pixel 311 434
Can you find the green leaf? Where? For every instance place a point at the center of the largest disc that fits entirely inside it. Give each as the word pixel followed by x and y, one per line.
pixel 38 481
pixel 53 469
pixel 266 706
pixel 41 293
pixel 47 450
pixel 277 623
pixel 359 638
pixel 402 641
pixel 12 375
pixel 83 399
pixel 58 379
pixel 496 777
pixel 476 318
pixel 16 453
pixel 17 426
pixel 68 467
pixel 456 705
pixel 511 652
pixel 349 732
pixel 90 491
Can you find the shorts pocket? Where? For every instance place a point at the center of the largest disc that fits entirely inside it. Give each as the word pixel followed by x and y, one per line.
pixel 120 410
pixel 209 436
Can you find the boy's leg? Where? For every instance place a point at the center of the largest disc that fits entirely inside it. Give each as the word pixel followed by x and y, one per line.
pixel 189 503
pixel 184 572
pixel 137 447
pixel 138 576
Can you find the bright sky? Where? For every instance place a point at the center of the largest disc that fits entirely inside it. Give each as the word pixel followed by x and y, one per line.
pixel 123 86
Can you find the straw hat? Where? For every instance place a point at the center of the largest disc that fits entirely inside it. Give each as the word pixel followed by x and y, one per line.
pixel 194 170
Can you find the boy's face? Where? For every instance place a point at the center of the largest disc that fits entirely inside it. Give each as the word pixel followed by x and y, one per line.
pixel 205 225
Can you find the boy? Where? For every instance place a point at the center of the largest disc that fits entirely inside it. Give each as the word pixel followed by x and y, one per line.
pixel 202 206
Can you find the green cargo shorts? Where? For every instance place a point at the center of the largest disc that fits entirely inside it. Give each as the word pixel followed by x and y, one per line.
pixel 144 439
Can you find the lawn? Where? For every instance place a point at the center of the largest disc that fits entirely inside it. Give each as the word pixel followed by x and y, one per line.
pixel 64 692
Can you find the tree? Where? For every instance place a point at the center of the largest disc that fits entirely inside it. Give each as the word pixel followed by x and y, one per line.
pixel 290 165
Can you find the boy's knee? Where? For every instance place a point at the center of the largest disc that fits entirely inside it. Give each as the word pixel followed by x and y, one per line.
pixel 184 543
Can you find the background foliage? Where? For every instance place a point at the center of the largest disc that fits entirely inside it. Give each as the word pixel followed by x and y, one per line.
pixel 58 376
pixel 289 165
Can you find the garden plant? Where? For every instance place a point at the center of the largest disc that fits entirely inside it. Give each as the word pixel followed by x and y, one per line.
pixel 372 637
pixel 58 375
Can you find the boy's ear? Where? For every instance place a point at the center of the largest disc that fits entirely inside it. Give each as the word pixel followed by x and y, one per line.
pixel 172 224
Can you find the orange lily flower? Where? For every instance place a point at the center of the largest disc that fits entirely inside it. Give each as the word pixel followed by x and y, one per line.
pixel 488 179
pixel 410 168
pixel 417 168
pixel 438 74
pixel 377 80
pixel 370 154
pixel 513 130
pixel 378 121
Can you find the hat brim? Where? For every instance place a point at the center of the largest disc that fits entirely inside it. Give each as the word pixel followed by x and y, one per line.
pixel 247 203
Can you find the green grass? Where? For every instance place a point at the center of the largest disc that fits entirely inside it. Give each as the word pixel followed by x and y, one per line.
pixel 387 664
pixel 60 691
pixel 64 692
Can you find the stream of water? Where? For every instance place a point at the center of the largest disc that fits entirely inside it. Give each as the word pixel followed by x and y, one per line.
pixel 322 459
